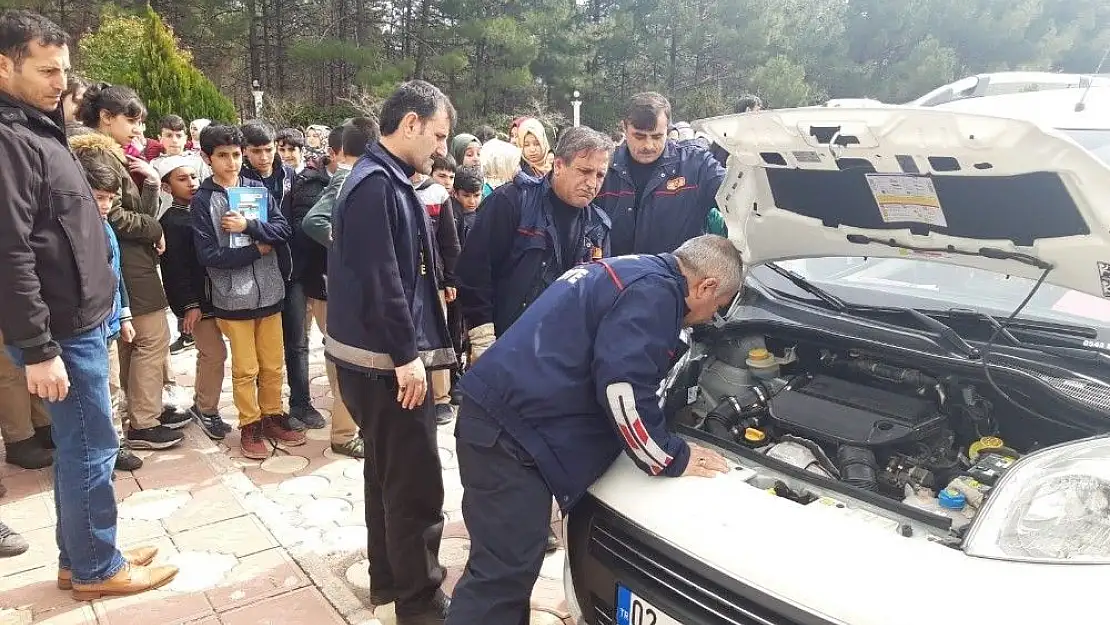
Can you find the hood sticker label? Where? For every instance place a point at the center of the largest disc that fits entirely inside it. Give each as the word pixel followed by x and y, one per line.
pixel 1104 277
pixel 907 199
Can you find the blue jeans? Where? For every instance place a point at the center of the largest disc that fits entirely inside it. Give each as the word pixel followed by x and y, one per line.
pixel 296 345
pixel 86 447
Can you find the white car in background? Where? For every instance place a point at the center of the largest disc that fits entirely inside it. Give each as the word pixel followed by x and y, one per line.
pixel 913 388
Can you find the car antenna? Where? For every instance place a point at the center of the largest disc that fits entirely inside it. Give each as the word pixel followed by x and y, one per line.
pixel 1080 106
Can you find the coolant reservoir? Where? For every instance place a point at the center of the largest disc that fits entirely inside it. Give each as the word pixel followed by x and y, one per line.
pixel 985 443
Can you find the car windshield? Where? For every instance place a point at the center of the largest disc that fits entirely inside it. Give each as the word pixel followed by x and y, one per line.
pixel 931 285
pixel 1096 141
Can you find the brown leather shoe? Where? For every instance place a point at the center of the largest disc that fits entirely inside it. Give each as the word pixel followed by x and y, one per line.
pixel 139 556
pixel 129 580
pixel 278 429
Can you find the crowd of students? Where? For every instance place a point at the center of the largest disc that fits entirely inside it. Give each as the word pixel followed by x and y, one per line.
pixel 166 211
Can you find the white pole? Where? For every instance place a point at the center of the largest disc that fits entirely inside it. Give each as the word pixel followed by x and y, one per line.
pixel 577 104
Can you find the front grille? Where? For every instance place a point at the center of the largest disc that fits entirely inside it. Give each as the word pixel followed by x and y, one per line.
pixel 667 583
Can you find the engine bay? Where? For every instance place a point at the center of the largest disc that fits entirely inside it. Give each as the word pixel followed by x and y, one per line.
pixel 931 440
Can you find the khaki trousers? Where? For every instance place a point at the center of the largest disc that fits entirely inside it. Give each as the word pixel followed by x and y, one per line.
pixel 20 412
pixel 343 428
pixel 257 365
pixel 441 378
pixel 142 369
pixel 211 356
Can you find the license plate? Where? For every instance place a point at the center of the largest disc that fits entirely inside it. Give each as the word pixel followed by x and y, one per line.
pixel 634 610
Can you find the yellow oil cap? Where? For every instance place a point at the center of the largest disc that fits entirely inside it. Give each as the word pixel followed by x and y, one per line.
pixel 753 435
pixel 984 443
pixel 759 353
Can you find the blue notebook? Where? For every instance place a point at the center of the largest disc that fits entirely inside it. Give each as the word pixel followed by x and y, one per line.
pixel 251 203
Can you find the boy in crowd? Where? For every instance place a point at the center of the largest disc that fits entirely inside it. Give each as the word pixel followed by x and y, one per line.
pixel 105 187
pixel 443 170
pixel 305 282
pixel 185 278
pixel 291 148
pixel 466 195
pixel 247 289
pixel 345 144
pixel 173 140
pixel 437 203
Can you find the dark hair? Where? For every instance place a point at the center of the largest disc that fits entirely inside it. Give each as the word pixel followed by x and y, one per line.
pixel 485 133
pixel 444 163
pixel 19 28
pixel 415 96
pixel 357 134
pixel 747 103
pixel 469 179
pixel 291 136
pixel 74 84
pixel 644 109
pixel 101 177
pixel 219 135
pixel 258 132
pixel 115 99
pixel 173 122
pixel 335 138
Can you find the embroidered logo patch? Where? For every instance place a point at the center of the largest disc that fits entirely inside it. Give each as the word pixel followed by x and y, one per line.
pixel 676 183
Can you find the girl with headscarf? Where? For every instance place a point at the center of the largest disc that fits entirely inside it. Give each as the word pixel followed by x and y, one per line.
pixel 466 150
pixel 535 148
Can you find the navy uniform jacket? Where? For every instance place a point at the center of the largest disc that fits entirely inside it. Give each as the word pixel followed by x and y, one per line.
pixel 574 380
pixel 383 300
pixel 514 251
pixel 674 205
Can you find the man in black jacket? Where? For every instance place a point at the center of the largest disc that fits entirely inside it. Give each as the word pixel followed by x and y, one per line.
pixel 58 292
pixel 385 327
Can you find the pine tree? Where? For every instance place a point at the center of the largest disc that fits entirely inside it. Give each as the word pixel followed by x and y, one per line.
pixel 155 67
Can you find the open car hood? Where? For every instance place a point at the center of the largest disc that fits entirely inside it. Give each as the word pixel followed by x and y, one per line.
pixel 964 189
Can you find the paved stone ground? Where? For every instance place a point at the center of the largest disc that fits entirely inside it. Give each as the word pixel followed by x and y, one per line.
pixel 280 541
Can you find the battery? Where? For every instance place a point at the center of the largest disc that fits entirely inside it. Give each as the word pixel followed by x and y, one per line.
pixel 989 467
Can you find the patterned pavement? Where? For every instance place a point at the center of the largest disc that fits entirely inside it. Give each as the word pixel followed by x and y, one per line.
pixel 280 541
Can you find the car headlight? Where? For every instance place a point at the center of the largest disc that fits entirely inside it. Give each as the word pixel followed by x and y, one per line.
pixel 1051 506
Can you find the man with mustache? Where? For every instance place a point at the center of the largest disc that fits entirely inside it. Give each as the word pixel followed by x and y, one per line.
pixel 657 193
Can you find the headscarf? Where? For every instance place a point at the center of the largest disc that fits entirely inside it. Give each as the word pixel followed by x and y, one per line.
pixel 532 126
pixel 459 145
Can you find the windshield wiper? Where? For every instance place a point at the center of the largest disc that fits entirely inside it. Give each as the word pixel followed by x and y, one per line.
pixel 833 301
pixel 1077 334
pixel 839 305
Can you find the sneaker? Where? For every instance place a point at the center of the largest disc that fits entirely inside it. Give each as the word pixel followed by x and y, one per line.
pixel 157 437
pixel 353 448
pixel 28 454
pixel 214 427
pixel 183 343
pixel 127 461
pixel 11 544
pixel 308 417
pixel 175 420
pixel 252 443
pixel 552 541
pixel 278 429
pixel 444 414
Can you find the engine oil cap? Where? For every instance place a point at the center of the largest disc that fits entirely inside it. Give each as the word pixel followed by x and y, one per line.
pixel 760 357
pixel 951 499
pixel 752 435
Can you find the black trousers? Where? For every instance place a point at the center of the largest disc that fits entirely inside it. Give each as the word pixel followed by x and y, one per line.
pixel 507 509
pixel 295 338
pixel 404 490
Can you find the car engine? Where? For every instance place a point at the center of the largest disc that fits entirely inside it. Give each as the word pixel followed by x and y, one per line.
pixel 930 442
